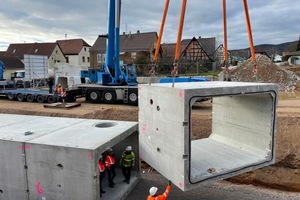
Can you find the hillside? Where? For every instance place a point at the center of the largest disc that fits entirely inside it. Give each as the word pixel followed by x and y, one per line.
pixel 269 48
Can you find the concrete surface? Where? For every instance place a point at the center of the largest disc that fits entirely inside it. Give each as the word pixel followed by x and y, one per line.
pixel 219 190
pixel 243 130
pixel 56 158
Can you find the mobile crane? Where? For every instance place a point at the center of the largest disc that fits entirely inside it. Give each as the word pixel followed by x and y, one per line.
pixel 113 81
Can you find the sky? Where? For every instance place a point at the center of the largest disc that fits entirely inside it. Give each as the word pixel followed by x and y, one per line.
pixel 27 21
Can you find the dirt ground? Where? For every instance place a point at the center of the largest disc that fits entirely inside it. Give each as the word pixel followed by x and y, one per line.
pixel 283 175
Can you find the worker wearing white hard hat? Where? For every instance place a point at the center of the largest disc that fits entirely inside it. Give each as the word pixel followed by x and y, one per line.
pixel 153 195
pixel 127 162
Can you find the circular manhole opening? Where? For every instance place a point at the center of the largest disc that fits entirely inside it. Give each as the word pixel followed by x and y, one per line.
pixel 105 124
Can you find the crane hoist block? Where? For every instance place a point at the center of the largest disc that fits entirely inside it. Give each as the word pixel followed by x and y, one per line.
pixel 57 158
pixel 242 138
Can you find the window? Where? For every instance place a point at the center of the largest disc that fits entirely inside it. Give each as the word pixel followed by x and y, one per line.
pixel 98 58
pixel 84 48
pixel 67 59
pixel 14 51
pixel 88 59
pixel 83 59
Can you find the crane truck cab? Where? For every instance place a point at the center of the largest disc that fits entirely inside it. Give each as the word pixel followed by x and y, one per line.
pixel 127 75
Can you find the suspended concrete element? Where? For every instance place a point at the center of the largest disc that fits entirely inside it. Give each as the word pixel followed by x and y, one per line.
pixel 242 138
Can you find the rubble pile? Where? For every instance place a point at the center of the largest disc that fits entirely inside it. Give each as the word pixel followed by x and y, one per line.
pixel 268 72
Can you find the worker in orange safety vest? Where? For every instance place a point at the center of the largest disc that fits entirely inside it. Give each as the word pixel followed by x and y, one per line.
pixel 101 173
pixel 153 195
pixel 59 89
pixel 110 167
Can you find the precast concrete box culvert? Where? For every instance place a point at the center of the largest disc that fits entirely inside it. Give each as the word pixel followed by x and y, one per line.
pixel 242 137
pixel 50 158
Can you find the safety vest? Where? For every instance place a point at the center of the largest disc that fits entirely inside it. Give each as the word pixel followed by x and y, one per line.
pixel 101 167
pixel 127 160
pixel 109 161
pixel 161 197
pixel 59 89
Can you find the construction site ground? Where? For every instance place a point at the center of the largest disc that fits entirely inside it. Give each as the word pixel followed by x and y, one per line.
pixel 278 181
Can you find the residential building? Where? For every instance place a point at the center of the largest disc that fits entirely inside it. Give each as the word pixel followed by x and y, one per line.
pixel 200 52
pixel 294 58
pixel 51 50
pixel 76 51
pixel 133 47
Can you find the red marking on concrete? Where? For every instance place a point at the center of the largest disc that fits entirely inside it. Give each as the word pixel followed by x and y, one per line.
pixel 27 146
pixel 141 155
pixel 140 88
pixel 180 185
pixel 20 147
pixel 90 155
pixel 38 188
pixel 180 94
pixel 144 127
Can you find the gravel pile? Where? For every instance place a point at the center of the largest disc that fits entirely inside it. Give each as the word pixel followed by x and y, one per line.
pixel 268 72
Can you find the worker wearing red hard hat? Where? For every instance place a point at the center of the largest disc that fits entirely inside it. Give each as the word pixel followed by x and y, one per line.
pixel 153 195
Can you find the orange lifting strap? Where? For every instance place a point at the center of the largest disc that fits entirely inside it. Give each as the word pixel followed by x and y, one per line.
pixel 179 36
pixel 226 69
pixel 250 38
pixel 152 71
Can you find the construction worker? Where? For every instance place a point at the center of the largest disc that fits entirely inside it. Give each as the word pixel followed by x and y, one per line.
pixel 110 167
pixel 153 195
pixel 50 84
pixel 59 89
pixel 127 162
pixel 101 173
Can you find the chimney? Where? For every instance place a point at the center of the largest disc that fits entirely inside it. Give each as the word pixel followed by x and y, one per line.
pixel 138 31
pixel 199 37
pixel 123 33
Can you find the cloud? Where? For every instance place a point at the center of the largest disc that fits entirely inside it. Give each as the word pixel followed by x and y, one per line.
pixel 272 22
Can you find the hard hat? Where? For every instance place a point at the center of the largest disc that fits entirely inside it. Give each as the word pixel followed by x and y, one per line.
pixel 129 148
pixel 153 191
pixel 59 84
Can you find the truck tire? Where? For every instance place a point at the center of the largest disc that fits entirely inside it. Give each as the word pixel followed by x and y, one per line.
pixel 40 99
pixel 29 98
pixel 20 97
pixel 10 96
pixel 132 97
pixel 109 96
pixel 50 99
pixel 94 96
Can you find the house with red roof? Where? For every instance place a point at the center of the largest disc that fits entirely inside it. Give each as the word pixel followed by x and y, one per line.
pixel 51 50
pixel 133 46
pixel 76 51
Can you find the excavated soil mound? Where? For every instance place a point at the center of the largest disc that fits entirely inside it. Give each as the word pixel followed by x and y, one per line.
pixel 268 72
